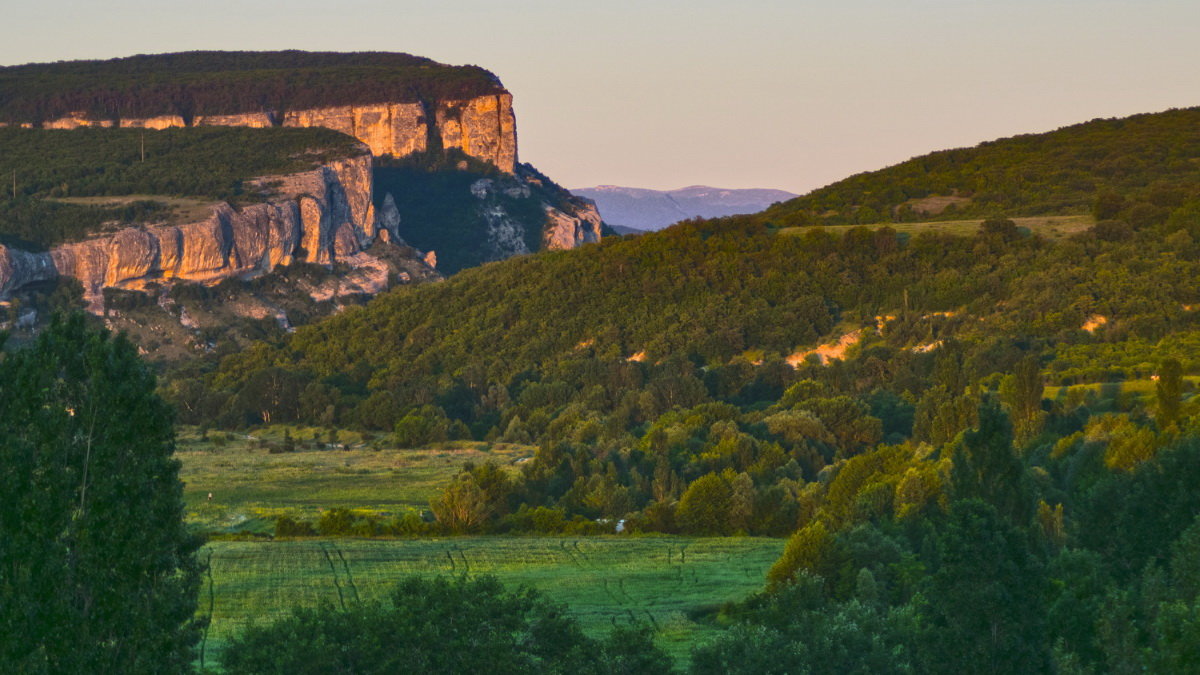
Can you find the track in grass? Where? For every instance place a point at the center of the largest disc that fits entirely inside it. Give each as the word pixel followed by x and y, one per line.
pixel 604 581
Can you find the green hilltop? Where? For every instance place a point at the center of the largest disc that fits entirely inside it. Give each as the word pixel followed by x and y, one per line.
pixel 1150 160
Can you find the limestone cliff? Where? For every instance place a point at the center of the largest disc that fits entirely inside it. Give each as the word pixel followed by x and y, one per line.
pixel 483 127
pixel 322 216
pixel 564 230
pixel 19 268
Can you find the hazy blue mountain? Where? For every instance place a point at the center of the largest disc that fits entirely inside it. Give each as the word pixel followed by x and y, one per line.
pixel 655 209
pixel 622 229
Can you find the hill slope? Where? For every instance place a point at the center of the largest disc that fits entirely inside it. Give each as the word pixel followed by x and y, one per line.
pixel 1150 159
pixel 988 434
pixel 730 293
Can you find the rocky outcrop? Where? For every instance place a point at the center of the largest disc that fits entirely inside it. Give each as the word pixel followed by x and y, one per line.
pixel 570 230
pixel 321 216
pixel 483 127
pixel 19 268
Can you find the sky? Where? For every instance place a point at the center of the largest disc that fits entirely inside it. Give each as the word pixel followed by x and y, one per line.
pixel 668 93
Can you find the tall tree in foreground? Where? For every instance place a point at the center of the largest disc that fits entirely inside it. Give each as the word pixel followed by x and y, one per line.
pixel 97 572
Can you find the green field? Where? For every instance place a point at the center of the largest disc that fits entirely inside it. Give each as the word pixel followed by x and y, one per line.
pixel 602 580
pixel 1053 227
pixel 250 486
pixel 1142 388
pixel 181 209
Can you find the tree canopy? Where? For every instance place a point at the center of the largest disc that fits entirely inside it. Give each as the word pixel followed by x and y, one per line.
pixel 97 570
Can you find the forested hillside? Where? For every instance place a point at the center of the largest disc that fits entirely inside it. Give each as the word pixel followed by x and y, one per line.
pixel 221 83
pixel 1150 161
pixel 982 447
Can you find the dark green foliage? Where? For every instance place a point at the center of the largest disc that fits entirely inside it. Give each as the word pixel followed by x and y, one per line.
pixel 441 626
pixel 798 630
pixel 987 468
pixel 420 427
pixel 189 84
pixel 1021 394
pixel 1079 584
pixel 1168 391
pixel 1133 520
pixel 1136 166
pixel 704 507
pixel 97 572
pixel 209 162
pixel 984 611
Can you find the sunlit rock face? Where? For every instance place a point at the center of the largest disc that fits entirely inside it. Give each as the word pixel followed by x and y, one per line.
pixel 323 216
pixel 571 230
pixel 483 127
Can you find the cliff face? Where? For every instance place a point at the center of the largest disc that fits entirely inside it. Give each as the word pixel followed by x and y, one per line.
pixel 572 229
pixel 321 216
pixel 483 127
pixel 18 268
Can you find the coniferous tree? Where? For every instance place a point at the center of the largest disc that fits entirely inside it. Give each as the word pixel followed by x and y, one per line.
pixel 1168 390
pixel 1022 395
pixel 987 468
pixel 97 571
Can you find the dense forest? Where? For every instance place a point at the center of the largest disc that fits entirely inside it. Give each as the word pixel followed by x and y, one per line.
pixel 945 506
pixel 40 167
pixel 189 84
pixel 1147 159
pixel 650 363
pixel 945 509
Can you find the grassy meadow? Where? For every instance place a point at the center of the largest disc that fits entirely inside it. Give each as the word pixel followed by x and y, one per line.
pixel 180 209
pixel 1052 227
pixel 1141 389
pixel 250 486
pixel 662 580
pixel 667 582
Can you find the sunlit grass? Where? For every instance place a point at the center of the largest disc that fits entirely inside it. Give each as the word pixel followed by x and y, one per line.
pixel 251 486
pixel 604 581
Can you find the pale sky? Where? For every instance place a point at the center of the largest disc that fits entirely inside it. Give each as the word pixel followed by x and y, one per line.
pixel 668 93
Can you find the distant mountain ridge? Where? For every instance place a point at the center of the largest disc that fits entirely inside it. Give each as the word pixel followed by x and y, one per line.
pixel 644 209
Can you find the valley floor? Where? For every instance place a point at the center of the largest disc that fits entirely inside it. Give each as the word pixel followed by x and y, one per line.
pixel 665 581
